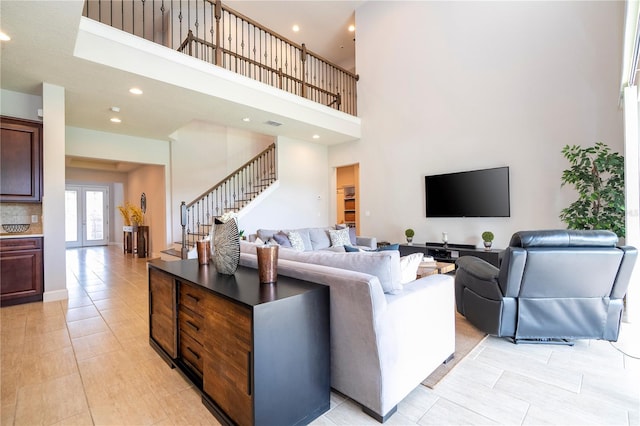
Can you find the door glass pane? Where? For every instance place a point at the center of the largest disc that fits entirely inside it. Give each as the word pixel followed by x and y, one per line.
pixel 71 215
pixel 94 202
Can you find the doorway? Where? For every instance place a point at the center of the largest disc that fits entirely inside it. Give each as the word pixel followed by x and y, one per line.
pixel 348 196
pixel 86 216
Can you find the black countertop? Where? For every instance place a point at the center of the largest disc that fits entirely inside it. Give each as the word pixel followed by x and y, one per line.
pixel 243 286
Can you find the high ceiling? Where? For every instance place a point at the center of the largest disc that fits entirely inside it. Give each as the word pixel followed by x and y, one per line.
pixel 43 41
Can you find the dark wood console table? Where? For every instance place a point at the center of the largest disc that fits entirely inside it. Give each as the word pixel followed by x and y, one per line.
pixel 136 240
pixel 258 354
pixel 452 252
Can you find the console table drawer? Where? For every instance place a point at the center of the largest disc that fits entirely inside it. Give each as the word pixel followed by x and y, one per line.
pixel 192 298
pixel 191 353
pixel 191 324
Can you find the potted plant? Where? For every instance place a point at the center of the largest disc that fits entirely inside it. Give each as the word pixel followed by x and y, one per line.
pixel 487 238
pixel 598 176
pixel 409 233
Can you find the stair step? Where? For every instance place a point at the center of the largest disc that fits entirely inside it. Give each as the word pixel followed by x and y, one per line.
pixel 172 252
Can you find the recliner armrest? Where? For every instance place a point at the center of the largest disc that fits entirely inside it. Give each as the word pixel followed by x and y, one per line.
pixel 479 276
pixel 370 242
pixel 478 268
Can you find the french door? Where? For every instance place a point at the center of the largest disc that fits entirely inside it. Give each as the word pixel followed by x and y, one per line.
pixel 87 213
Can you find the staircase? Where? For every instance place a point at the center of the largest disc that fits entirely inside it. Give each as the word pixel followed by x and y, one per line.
pixel 232 194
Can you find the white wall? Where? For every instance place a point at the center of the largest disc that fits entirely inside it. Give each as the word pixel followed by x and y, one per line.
pixel 453 86
pixel 202 154
pixel 145 180
pixel 302 198
pixel 53 212
pixel 20 105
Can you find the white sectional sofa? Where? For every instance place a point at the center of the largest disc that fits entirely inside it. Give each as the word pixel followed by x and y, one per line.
pixel 386 337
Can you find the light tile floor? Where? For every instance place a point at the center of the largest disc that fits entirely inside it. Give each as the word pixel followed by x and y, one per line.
pixel 87 361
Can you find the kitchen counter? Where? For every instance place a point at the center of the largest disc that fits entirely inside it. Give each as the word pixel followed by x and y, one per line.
pixel 23 235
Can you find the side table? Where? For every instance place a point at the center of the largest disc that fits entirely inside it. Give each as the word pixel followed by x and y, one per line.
pixel 136 240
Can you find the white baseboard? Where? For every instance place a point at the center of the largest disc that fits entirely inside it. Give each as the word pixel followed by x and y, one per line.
pixel 52 296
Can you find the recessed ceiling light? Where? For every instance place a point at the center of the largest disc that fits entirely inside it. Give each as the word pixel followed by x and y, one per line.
pixel 352 28
pixel 115 109
pixel 246 119
pixel 296 28
pixel 4 37
pixel 115 120
pixel 316 136
pixel 135 91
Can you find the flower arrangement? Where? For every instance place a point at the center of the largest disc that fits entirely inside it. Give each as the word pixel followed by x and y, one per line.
pixel 131 214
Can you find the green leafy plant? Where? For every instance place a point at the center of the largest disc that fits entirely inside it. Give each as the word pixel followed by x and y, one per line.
pixel 409 233
pixel 487 236
pixel 597 173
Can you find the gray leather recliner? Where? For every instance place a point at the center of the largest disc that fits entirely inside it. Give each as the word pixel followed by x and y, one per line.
pixel 551 285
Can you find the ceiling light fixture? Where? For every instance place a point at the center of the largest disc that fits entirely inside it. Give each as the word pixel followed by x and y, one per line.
pixel 352 28
pixel 115 120
pixel 316 136
pixel 115 109
pixel 4 37
pixel 246 119
pixel 296 28
pixel 135 91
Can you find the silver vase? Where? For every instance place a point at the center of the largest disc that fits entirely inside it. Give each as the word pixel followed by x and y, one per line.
pixel 226 247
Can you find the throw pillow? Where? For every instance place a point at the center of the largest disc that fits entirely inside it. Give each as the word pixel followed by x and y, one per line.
pixel 409 267
pixel 352 232
pixel 339 237
pixel 282 239
pixel 296 240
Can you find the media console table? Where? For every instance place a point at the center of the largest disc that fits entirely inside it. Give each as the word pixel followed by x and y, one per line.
pixel 452 252
pixel 258 354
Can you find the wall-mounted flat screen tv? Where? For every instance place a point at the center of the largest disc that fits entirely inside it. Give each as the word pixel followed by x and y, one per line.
pixel 476 193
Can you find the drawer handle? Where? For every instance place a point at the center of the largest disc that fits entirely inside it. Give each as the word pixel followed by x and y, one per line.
pixel 193 352
pixel 192 297
pixel 193 326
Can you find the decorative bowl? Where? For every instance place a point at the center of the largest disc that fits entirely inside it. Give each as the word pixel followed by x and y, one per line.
pixel 15 228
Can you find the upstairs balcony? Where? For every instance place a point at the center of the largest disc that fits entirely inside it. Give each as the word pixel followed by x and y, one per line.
pixel 212 32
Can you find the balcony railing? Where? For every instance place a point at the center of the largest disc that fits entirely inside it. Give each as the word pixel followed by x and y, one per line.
pixel 212 32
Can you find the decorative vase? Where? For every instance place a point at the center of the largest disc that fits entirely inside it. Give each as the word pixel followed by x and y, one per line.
pixel 487 245
pixel 226 246
pixel 409 240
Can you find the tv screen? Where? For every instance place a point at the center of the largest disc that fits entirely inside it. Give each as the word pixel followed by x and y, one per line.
pixel 477 193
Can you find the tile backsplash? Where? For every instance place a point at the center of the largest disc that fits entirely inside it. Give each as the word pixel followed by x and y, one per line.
pixel 21 213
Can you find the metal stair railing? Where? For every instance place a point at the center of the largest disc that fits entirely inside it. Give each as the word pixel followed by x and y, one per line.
pixel 231 194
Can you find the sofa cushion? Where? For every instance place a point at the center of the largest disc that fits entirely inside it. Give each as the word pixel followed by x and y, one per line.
pixel 319 238
pixel 339 237
pixel 385 264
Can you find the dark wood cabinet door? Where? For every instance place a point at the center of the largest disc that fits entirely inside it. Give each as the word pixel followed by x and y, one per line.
pixel 162 312
pixel 20 160
pixel 227 361
pixel 21 270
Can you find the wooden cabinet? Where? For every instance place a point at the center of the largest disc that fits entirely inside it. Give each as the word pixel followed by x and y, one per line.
pixel 21 270
pixel 228 361
pixel 162 313
pixel 259 354
pixel 20 160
